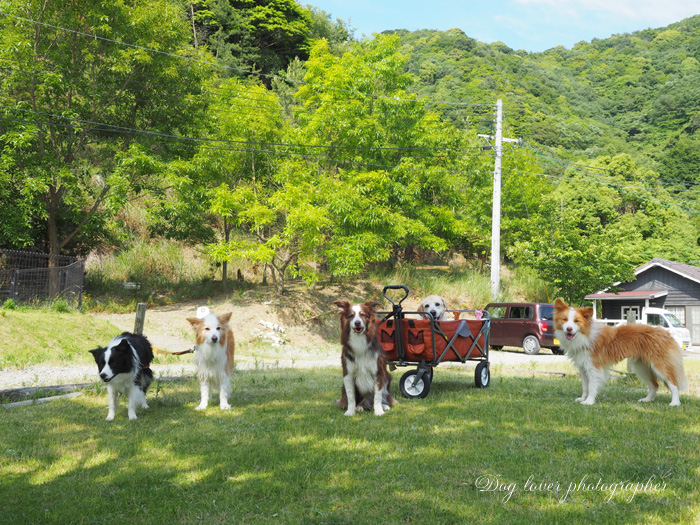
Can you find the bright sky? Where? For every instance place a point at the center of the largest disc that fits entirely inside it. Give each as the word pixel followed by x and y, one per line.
pixel 532 25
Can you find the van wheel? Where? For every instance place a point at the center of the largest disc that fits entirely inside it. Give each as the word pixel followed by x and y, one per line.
pixel 531 345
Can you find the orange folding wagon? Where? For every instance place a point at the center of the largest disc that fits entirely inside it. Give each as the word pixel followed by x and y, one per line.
pixel 417 339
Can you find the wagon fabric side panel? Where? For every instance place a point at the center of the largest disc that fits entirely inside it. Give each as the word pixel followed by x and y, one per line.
pixel 417 340
pixel 418 337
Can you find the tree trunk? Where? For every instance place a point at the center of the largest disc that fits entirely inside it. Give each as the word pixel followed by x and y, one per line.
pixel 224 266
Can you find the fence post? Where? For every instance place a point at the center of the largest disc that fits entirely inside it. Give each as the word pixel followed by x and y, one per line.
pixel 140 318
pixel 14 284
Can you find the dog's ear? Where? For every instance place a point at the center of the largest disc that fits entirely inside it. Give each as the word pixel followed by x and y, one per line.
pixel 372 305
pixel 194 321
pixel 225 318
pixel 123 346
pixel 560 305
pixel 343 306
pixel 96 351
pixel 587 312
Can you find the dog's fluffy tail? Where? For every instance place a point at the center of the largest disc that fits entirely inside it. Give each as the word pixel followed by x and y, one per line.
pixel 677 363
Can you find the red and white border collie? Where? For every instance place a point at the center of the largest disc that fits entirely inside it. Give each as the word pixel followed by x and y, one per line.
pixel 213 355
pixel 593 347
pixel 124 365
pixel 366 380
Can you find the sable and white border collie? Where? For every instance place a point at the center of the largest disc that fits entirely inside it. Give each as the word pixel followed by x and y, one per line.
pixel 124 365
pixel 366 380
pixel 593 347
pixel 436 306
pixel 213 355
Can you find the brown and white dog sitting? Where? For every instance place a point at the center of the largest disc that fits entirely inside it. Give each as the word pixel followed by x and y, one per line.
pixel 366 380
pixel 213 355
pixel 436 306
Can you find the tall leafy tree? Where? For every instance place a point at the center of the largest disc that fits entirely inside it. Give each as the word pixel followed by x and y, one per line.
pixel 258 35
pixel 87 88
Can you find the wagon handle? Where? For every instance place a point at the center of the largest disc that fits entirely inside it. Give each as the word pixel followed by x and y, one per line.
pixel 396 287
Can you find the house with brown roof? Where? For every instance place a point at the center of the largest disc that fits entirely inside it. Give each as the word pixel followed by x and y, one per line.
pixel 659 283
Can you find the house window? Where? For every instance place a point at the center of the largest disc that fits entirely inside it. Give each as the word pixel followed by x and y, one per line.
pixel 678 311
pixel 692 322
pixel 633 309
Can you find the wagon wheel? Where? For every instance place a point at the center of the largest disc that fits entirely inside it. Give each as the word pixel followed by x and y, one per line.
pixel 411 387
pixel 482 376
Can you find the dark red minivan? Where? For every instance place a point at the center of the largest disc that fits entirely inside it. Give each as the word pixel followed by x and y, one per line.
pixel 529 326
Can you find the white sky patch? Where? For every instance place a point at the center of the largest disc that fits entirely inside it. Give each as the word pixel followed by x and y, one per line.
pixel 665 12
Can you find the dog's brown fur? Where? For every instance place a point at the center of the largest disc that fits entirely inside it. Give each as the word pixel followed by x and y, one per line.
pixel 349 356
pixel 592 347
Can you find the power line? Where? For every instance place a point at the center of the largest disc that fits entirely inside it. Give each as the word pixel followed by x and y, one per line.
pixel 608 185
pixel 240 70
pixel 111 128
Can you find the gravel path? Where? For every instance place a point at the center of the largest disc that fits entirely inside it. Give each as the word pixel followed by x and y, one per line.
pixel 36 376
pixel 168 329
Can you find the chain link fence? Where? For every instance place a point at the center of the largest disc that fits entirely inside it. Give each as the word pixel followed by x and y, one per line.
pixel 30 276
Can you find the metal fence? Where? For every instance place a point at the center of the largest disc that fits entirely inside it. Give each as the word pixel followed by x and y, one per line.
pixel 29 276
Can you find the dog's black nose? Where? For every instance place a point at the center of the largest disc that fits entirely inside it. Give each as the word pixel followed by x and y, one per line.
pixel 214 339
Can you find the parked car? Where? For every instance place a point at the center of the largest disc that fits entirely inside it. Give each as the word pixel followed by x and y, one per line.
pixel 664 319
pixel 529 326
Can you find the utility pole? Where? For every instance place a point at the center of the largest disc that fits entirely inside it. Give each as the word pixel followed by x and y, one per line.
pixel 496 210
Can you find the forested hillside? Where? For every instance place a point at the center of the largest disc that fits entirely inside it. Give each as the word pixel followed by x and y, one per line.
pixel 262 130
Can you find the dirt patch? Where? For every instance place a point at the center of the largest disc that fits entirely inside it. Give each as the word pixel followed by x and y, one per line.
pixel 307 315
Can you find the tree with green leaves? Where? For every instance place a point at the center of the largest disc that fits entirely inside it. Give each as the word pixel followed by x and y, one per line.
pixel 254 35
pixel 88 91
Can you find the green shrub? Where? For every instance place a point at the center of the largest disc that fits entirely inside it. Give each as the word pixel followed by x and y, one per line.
pixel 9 304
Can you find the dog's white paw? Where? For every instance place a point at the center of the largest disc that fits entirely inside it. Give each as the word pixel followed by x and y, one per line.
pixel 588 401
pixel 132 416
pixel 349 413
pixel 225 406
pixel 378 412
pixel 386 407
pixel 579 399
pixel 200 407
pixel 359 409
pixel 674 404
pixel 645 400
pixel 110 417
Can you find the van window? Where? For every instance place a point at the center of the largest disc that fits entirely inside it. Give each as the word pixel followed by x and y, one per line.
pixel 520 312
pixel 547 313
pixel 675 322
pixel 655 320
pixel 497 312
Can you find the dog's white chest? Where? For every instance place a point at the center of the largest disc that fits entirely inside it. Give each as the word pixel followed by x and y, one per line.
pixel 210 357
pixel 364 368
pixel 122 383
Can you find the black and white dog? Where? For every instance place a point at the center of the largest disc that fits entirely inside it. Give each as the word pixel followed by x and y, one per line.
pixel 125 366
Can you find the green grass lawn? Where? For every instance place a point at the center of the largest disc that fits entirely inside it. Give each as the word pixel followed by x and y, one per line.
pixel 45 337
pixel 286 454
